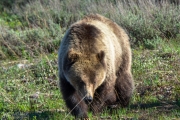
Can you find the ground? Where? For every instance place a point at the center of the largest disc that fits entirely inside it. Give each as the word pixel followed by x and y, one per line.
pixel 31 91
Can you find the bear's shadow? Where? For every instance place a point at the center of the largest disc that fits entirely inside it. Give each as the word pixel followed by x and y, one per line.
pixel 159 105
pixel 47 115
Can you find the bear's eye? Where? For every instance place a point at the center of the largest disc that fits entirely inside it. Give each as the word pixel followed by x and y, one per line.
pixel 70 63
pixel 81 83
pixel 67 66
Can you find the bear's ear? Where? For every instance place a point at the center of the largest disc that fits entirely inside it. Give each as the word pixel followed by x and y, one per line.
pixel 101 56
pixel 72 56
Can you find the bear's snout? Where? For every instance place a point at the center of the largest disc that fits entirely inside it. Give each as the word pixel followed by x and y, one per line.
pixel 88 99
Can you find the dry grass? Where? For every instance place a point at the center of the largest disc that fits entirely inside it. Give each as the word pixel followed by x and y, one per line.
pixel 31 28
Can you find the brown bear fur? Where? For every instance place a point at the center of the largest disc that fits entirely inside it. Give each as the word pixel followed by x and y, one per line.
pixel 94 61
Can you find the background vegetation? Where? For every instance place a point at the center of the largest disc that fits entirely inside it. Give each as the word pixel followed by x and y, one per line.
pixel 30 35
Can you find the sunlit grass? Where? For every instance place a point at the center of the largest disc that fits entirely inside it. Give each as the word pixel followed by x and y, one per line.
pixel 156 88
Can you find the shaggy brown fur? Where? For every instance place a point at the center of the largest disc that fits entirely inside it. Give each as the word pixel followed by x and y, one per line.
pixel 95 65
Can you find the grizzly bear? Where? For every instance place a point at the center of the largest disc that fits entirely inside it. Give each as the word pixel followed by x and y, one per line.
pixel 94 63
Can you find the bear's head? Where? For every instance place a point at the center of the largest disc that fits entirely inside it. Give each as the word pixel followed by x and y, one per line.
pixel 85 72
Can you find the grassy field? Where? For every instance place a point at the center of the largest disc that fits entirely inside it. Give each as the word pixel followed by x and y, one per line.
pixel 30 35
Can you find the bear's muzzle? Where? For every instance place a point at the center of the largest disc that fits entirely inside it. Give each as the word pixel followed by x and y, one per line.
pixel 88 99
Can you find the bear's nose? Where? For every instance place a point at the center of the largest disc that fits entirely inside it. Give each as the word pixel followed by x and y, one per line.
pixel 88 99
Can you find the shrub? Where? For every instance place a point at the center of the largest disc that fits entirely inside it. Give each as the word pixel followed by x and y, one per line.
pixel 42 23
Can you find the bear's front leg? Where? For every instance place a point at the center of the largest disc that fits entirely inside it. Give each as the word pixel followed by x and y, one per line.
pixel 104 96
pixel 74 102
pixel 124 88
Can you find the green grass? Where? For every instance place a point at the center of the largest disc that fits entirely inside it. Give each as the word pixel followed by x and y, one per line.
pixel 156 96
pixel 30 36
